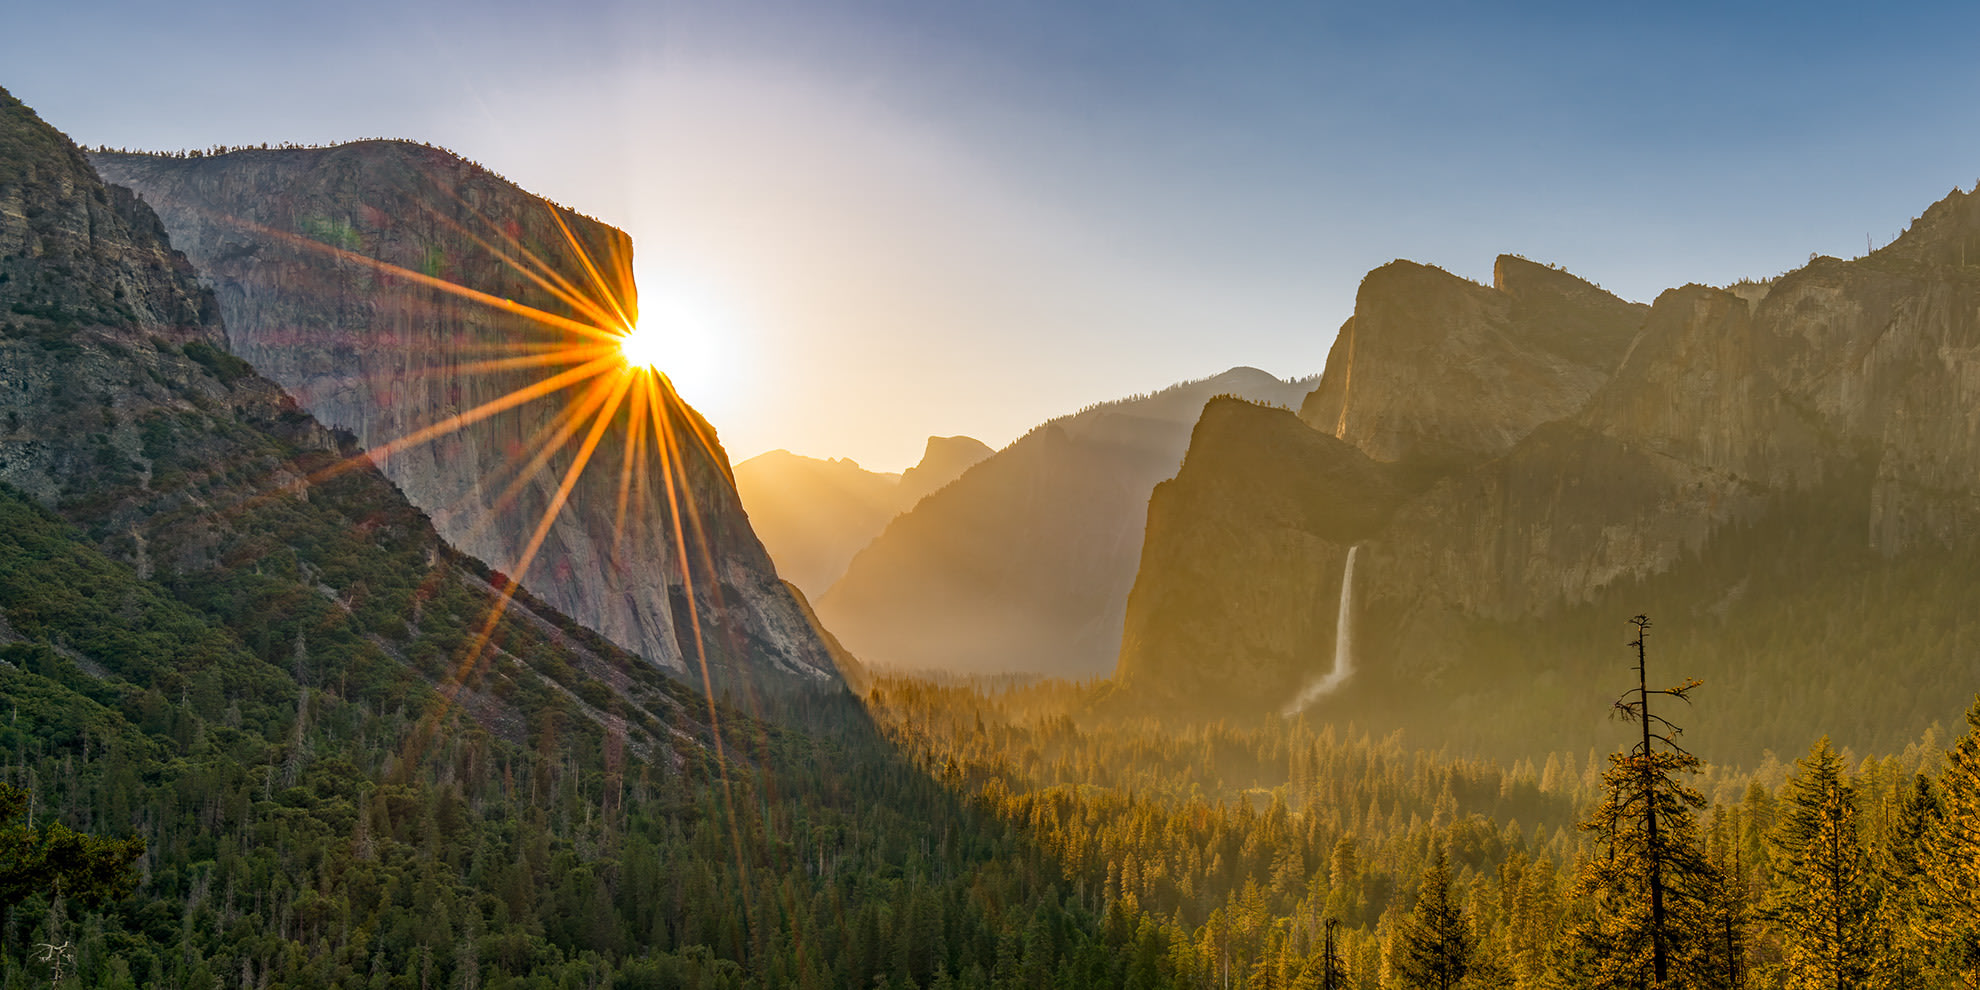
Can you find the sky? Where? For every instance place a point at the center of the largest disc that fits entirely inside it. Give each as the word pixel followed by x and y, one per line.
pixel 865 223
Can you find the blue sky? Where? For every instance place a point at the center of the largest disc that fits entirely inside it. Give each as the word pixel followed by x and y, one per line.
pixel 875 221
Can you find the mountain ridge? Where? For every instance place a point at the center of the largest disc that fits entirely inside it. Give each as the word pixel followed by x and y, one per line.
pixel 1822 408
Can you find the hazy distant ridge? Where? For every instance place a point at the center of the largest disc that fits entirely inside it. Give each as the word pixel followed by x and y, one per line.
pixel 1024 562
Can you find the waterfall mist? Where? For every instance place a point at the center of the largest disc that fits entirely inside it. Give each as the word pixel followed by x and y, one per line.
pixel 1343 643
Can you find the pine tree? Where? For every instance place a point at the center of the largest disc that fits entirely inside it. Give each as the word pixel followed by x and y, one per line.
pixel 1728 902
pixel 1951 882
pixel 1640 915
pixel 1435 942
pixel 1901 871
pixel 1824 899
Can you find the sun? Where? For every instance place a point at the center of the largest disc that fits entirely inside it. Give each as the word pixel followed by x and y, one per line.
pixel 642 347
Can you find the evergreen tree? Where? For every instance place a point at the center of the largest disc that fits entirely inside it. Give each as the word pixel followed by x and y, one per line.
pixel 55 860
pixel 1950 884
pixel 1824 899
pixel 1435 943
pixel 1902 953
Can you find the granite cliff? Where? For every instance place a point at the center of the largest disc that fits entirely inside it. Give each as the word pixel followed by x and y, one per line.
pixel 290 242
pixel 1023 564
pixel 201 550
pixel 1772 469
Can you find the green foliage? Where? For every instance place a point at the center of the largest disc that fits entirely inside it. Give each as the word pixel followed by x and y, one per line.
pixel 1950 870
pixel 224 366
pixel 54 860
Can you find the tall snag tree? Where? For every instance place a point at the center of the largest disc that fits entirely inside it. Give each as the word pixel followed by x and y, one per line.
pixel 1643 904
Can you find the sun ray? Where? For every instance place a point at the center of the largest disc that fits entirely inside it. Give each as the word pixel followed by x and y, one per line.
pixel 563 289
pixel 543 276
pixel 668 466
pixel 584 258
pixel 568 422
pixel 635 430
pixel 493 301
pixel 482 638
pixel 593 379
pixel 562 355
pixel 590 369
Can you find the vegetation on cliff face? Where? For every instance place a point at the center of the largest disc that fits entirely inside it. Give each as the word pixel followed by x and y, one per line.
pixel 224 635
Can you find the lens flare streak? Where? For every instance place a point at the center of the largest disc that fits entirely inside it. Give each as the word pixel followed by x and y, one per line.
pixel 609 368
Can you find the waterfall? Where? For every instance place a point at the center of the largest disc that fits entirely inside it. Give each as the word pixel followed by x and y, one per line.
pixel 1343 643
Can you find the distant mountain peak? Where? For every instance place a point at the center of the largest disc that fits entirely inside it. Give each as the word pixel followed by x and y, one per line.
pixel 942 461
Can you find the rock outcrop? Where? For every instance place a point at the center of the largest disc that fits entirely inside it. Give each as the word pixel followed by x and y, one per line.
pixel 1255 528
pixel 1023 564
pixel 291 242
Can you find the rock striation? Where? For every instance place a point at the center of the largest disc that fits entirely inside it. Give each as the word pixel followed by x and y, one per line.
pixel 1024 563
pixel 1435 371
pixel 290 242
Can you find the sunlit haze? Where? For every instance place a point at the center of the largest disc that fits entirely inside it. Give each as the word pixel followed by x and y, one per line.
pixel 889 221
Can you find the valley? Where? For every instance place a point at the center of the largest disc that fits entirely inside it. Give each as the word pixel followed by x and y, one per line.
pixel 369 618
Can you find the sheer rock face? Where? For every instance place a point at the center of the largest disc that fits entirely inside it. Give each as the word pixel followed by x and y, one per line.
pixel 1729 402
pixel 123 414
pixel 1438 371
pixel 283 237
pixel 1539 466
pixel 1236 593
pixel 1025 562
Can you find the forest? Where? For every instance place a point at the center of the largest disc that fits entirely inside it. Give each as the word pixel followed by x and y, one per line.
pixel 917 835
